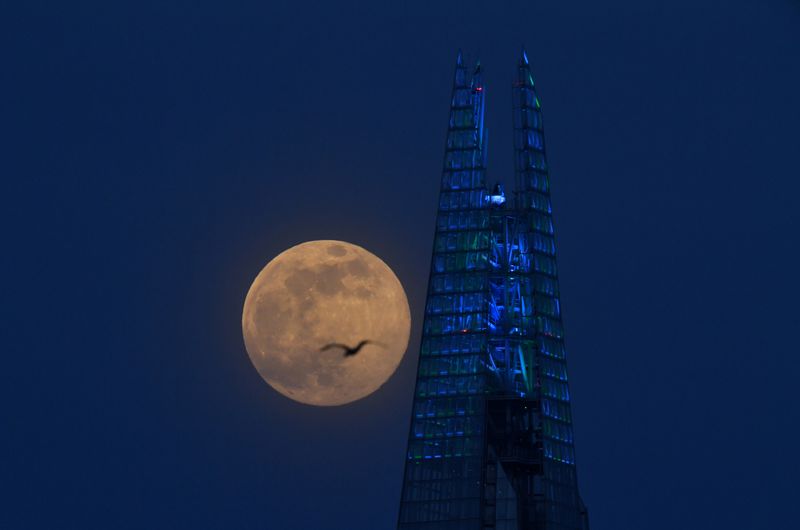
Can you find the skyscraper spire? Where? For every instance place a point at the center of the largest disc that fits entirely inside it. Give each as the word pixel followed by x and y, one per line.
pixel 530 161
pixel 465 154
pixel 460 75
pixel 490 444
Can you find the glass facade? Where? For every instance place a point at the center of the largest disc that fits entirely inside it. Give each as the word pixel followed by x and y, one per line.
pixel 490 444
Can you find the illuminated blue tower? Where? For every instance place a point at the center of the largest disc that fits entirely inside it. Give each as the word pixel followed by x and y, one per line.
pixel 490 445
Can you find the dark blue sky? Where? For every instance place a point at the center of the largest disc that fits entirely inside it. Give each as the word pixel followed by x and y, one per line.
pixel 155 157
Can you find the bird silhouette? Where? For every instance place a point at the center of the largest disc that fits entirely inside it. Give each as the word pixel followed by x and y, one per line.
pixel 348 351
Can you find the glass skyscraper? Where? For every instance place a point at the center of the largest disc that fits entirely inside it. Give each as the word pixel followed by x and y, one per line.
pixel 490 445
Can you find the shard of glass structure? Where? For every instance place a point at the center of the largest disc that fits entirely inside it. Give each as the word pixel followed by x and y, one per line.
pixel 490 445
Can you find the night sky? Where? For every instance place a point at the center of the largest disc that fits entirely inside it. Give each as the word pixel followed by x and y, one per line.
pixel 156 155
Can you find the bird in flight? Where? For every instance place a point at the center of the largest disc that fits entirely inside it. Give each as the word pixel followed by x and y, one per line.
pixel 348 351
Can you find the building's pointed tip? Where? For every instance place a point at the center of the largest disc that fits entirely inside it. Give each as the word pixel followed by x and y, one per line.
pixel 523 57
pixel 459 58
pixel 478 67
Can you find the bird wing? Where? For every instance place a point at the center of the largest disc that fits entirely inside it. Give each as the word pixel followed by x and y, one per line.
pixel 333 345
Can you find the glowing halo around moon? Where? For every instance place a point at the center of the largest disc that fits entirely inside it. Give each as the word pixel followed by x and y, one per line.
pixel 315 294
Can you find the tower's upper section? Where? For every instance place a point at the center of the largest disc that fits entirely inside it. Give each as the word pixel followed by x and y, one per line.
pixel 463 177
pixel 530 162
pixel 464 184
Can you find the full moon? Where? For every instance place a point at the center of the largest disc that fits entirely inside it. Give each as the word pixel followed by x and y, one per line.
pixel 311 299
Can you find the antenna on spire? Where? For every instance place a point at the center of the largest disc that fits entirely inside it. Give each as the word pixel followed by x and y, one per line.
pixel 523 58
pixel 459 58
